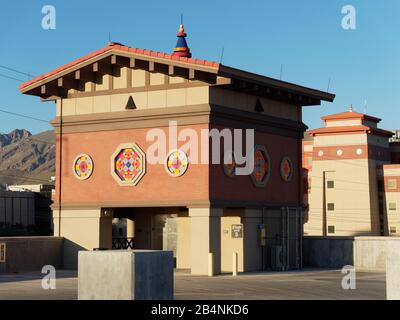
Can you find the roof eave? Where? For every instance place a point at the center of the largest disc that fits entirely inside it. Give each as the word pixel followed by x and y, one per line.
pixel 277 84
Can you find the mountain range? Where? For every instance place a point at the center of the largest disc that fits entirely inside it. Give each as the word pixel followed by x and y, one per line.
pixel 27 158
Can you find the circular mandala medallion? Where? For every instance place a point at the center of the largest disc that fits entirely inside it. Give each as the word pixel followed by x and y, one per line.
pixel 176 163
pixel 83 167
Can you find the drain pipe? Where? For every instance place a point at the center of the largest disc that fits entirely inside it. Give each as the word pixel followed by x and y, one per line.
pixel 60 169
pixel 288 239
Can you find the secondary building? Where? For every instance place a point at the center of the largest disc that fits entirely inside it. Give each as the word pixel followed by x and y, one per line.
pixel 112 107
pixel 351 172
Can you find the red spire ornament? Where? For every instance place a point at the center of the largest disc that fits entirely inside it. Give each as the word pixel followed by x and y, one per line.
pixel 181 49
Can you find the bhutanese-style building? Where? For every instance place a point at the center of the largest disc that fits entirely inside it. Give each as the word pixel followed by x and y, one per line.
pixel 108 100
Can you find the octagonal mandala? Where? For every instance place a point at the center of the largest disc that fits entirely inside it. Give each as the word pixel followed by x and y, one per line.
pixel 286 169
pixel 128 164
pixel 176 163
pixel 82 167
pixel 262 166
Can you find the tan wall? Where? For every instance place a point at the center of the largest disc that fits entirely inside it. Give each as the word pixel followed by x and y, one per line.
pixel 183 254
pixel 340 140
pixel 247 102
pixel 162 98
pixel 393 216
pixel 355 211
pixel 342 123
pixel 205 238
pixel 82 230
pixel 229 245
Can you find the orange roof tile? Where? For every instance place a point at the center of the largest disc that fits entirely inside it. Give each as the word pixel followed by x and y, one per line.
pixel 117 46
pixel 349 129
pixel 349 115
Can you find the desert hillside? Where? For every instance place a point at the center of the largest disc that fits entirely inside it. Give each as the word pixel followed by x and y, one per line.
pixel 27 158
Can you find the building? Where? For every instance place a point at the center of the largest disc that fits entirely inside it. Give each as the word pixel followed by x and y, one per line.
pixel 109 101
pixel 26 210
pixel 17 210
pixel 350 172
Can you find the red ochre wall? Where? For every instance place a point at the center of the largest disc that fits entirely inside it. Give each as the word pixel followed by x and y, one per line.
pixel 276 191
pixel 155 185
pixel 198 184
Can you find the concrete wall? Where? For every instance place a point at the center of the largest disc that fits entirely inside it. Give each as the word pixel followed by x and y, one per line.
pixel 327 252
pixel 32 253
pixel 366 254
pixel 393 270
pixel 370 253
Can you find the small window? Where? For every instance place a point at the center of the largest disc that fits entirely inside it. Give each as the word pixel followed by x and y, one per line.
pixel 392 205
pixel 309 161
pixel 392 229
pixel 392 184
pixel 331 229
pixel 331 206
pixel 330 184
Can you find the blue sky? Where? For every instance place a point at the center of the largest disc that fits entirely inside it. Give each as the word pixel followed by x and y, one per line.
pixel 305 37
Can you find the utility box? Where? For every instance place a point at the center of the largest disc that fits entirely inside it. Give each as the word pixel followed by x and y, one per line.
pixel 125 275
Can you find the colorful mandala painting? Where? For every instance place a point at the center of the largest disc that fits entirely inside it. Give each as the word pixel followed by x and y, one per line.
pixel 83 166
pixel 229 165
pixel 261 170
pixel 177 163
pixel 128 164
pixel 286 169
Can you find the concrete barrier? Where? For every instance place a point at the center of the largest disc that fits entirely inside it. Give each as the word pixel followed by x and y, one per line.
pixel 327 252
pixel 125 275
pixel 366 254
pixel 370 253
pixel 23 254
pixel 393 270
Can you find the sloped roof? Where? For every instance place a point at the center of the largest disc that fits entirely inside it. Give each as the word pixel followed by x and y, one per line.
pixel 350 129
pixel 118 46
pixel 236 79
pixel 350 115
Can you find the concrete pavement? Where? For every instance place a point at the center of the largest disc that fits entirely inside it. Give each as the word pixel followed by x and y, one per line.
pixel 303 285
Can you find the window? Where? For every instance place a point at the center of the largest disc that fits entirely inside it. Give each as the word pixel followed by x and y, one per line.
pixel 392 229
pixel 392 205
pixel 392 184
pixel 331 229
pixel 331 206
pixel 330 184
